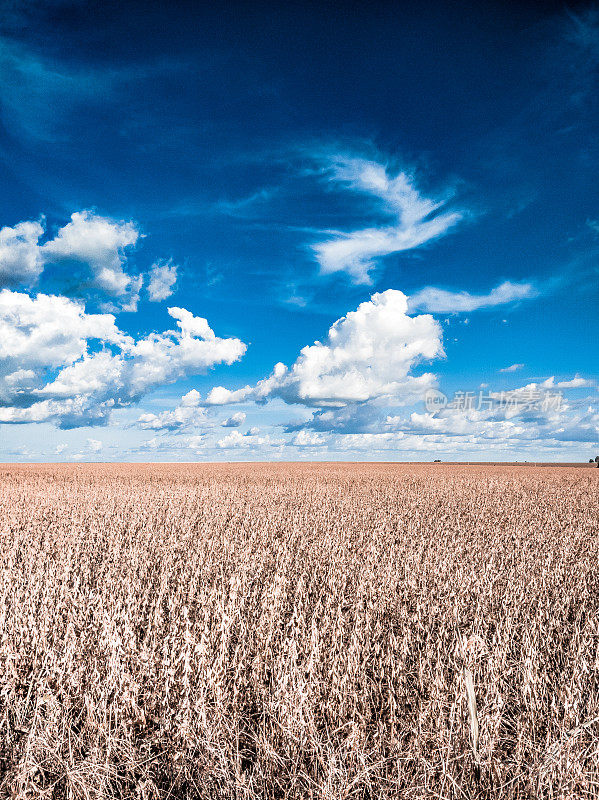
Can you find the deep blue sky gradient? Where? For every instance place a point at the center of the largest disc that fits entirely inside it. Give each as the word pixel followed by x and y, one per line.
pixel 202 123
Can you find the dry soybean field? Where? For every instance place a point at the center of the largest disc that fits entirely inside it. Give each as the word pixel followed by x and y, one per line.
pixel 299 631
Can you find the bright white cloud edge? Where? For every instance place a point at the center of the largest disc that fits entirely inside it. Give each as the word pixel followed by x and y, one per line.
pixel 414 218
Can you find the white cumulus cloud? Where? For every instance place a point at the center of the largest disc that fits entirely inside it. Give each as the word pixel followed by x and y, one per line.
pixel 48 331
pixel 366 356
pixel 530 415
pixel 163 277
pixel 188 413
pixel 576 383
pixel 251 439
pixel 20 258
pixel 234 421
pixel 308 439
pixel 99 242
pixel 59 363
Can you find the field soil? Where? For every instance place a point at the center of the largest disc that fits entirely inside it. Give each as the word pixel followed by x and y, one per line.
pixel 299 631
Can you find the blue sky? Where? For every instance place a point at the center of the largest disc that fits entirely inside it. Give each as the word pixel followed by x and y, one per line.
pixel 318 231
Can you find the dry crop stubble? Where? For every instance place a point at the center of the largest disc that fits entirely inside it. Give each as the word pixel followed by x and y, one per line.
pixel 331 631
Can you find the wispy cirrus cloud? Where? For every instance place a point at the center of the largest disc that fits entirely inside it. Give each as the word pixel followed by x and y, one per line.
pixel 413 219
pixel 39 93
pixel 442 301
pixel 582 30
pixel 43 93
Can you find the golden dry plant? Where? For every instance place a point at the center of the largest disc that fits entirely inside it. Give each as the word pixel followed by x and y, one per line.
pixel 299 631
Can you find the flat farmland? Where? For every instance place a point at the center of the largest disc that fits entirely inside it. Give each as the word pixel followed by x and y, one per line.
pixel 299 631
